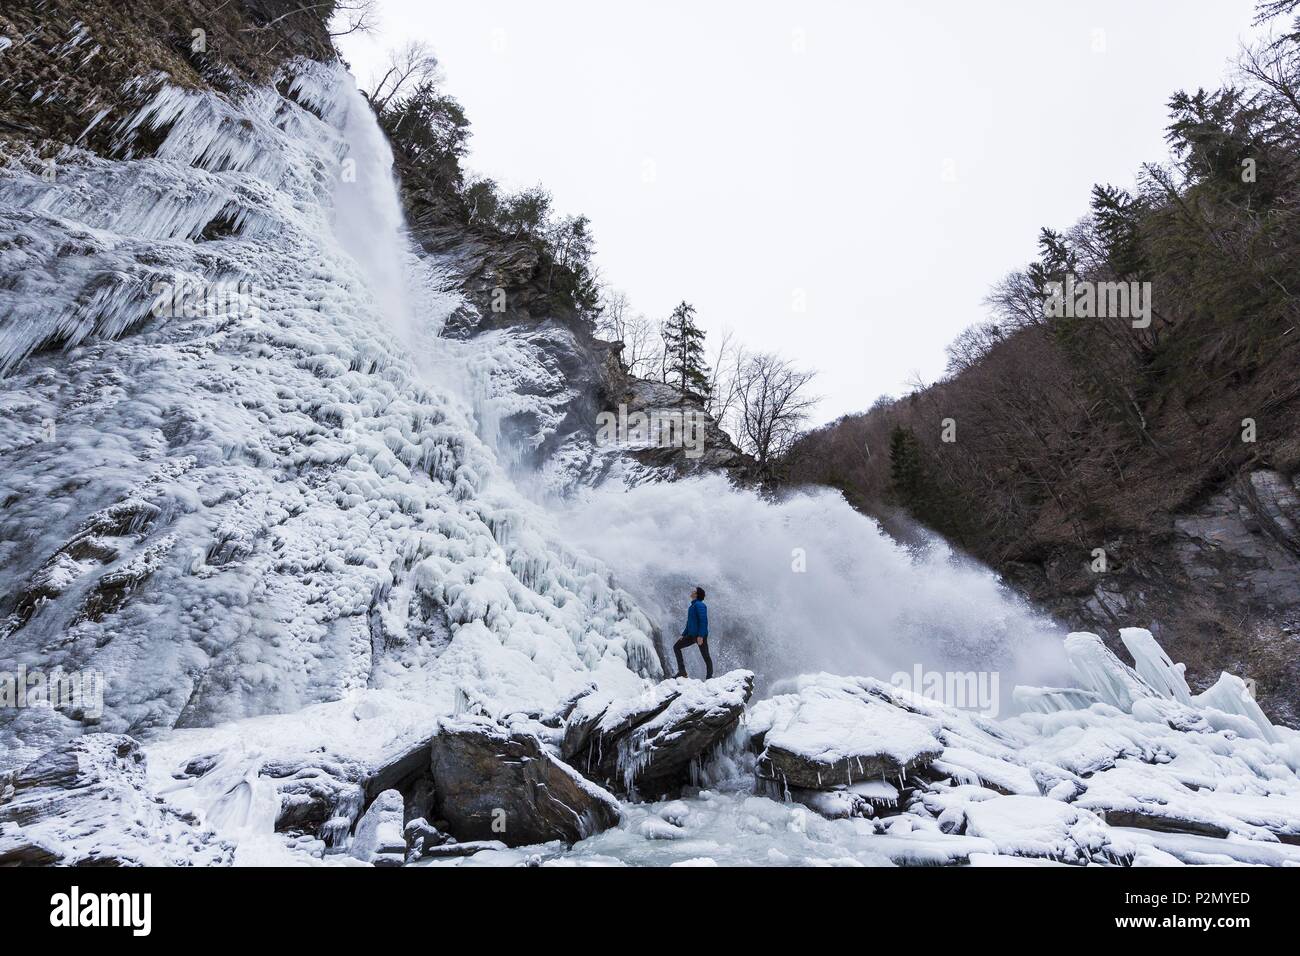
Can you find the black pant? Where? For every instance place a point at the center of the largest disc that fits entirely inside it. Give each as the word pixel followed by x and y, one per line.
pixel 704 649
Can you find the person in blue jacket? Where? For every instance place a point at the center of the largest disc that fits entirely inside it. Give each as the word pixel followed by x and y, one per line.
pixel 697 632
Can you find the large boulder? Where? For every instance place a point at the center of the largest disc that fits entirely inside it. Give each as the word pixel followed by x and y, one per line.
pixel 833 734
pixel 380 838
pixel 651 745
pixel 493 783
pixel 86 803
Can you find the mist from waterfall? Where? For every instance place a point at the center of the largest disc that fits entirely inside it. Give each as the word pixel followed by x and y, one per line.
pixel 808 584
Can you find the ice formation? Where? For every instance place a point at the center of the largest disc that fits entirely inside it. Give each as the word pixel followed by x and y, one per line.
pixel 298 506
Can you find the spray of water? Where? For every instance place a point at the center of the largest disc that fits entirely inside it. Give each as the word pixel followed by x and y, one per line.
pixel 809 584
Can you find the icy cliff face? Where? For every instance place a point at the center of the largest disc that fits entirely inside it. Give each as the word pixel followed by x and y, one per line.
pixel 233 478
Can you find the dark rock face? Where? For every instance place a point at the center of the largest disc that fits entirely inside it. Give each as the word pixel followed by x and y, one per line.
pixel 651 746
pixel 85 803
pixel 802 771
pixel 573 375
pixel 1220 589
pixel 494 784
pixel 508 290
pixel 711 451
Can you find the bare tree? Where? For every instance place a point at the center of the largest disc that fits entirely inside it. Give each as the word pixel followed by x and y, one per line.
pixel 1016 301
pixel 1275 67
pixel 724 377
pixel 773 404
pixel 640 338
pixel 353 16
pixel 345 16
pixel 408 65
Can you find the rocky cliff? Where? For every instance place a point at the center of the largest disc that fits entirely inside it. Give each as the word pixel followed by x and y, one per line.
pixel 1219 582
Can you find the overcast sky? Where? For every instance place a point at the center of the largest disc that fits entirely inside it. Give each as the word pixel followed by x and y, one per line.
pixel 877 165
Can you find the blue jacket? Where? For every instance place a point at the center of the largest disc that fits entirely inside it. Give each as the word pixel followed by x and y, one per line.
pixel 697 620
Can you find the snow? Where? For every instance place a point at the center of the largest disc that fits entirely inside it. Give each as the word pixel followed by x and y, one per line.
pixel 1030 826
pixel 826 723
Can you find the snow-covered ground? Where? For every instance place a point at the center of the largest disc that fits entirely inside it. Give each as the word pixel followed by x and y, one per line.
pixel 1104 784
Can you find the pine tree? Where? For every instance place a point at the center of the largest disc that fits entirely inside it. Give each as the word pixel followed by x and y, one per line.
pixel 684 351
pixel 906 476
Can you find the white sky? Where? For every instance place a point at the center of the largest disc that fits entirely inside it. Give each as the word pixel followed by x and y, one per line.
pixel 746 155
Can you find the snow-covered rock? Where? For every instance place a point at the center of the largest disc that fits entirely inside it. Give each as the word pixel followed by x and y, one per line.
pixel 87 803
pixel 1030 826
pixel 831 732
pixel 1167 778
pixel 656 742
pixel 380 838
pixel 492 783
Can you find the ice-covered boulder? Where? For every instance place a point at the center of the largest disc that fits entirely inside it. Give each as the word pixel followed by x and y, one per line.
pixel 1032 826
pixel 834 733
pixel 651 744
pixel 380 838
pixel 492 783
pixel 1229 695
pixel 86 802
pixel 318 795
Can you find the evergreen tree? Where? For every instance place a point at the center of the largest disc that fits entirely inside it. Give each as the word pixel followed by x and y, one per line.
pixel 684 351
pixel 906 477
pixel 1119 218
